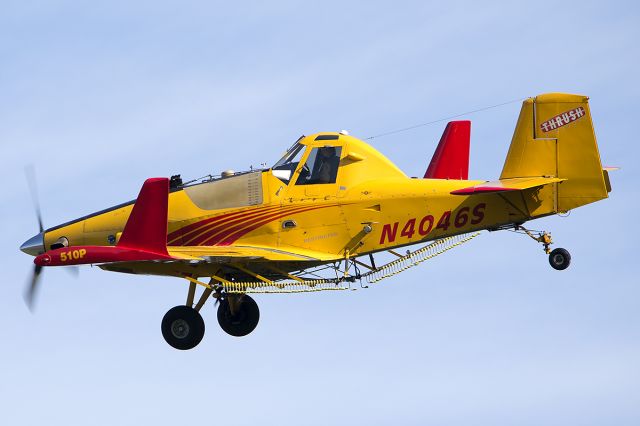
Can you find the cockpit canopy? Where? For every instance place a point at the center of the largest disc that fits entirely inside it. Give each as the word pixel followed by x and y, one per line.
pixel 329 158
pixel 285 167
pixel 321 165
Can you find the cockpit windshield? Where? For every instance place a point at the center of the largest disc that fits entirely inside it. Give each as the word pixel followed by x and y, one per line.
pixel 285 167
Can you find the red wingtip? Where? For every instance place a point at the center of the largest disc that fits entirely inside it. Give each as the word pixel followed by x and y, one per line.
pixel 146 228
pixel 451 158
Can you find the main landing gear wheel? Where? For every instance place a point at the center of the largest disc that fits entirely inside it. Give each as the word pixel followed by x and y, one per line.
pixel 183 327
pixel 238 316
pixel 559 259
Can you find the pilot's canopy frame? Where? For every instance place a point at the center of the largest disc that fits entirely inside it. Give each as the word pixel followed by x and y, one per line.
pixel 321 165
pixel 285 167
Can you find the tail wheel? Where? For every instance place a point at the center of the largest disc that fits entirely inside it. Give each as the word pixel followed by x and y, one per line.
pixel 182 327
pixel 559 259
pixel 240 321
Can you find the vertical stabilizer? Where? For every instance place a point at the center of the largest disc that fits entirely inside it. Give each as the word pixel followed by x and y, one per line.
pixel 451 158
pixel 554 137
pixel 146 228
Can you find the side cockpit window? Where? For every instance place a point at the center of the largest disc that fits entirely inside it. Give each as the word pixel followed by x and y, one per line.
pixel 321 166
pixel 285 167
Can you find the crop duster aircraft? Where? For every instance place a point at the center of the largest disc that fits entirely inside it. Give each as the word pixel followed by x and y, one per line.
pixel 315 220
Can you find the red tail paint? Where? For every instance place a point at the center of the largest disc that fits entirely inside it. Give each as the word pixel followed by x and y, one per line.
pixel 146 228
pixel 451 158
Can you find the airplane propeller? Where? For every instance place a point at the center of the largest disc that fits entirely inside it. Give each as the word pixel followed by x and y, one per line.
pixel 33 281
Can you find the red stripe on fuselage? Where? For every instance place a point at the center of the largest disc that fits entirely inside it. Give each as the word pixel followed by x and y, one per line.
pixel 185 230
pixel 194 227
pixel 212 230
pixel 231 236
pixel 206 231
pixel 179 236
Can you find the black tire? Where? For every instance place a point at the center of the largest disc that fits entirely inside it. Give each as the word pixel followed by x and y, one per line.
pixel 245 319
pixel 182 327
pixel 559 259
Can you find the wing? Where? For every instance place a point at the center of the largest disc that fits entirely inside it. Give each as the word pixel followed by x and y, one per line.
pixel 234 254
pixel 247 262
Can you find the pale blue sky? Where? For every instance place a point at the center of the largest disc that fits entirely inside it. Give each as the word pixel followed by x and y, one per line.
pixel 101 95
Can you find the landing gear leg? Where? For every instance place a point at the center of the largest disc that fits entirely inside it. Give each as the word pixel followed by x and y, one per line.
pixel 559 258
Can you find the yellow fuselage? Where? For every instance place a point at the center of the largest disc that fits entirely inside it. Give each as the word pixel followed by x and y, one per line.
pixel 371 206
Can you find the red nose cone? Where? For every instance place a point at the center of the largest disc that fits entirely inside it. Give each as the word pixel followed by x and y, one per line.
pixel 42 260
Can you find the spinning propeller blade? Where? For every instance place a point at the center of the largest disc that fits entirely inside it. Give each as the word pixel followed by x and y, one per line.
pixel 33 189
pixel 32 287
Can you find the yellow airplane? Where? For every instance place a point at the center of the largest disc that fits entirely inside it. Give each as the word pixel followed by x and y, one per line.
pixel 316 218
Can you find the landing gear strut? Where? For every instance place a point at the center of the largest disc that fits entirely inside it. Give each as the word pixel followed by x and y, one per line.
pixel 183 326
pixel 559 258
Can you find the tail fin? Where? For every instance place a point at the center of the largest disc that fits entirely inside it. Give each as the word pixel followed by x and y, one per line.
pixel 146 228
pixel 554 137
pixel 451 158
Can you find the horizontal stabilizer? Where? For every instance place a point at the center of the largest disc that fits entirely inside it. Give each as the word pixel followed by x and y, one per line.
pixel 502 185
pixel 451 158
pixel 146 228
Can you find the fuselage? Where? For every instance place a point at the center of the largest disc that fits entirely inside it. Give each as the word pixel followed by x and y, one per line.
pixel 369 206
